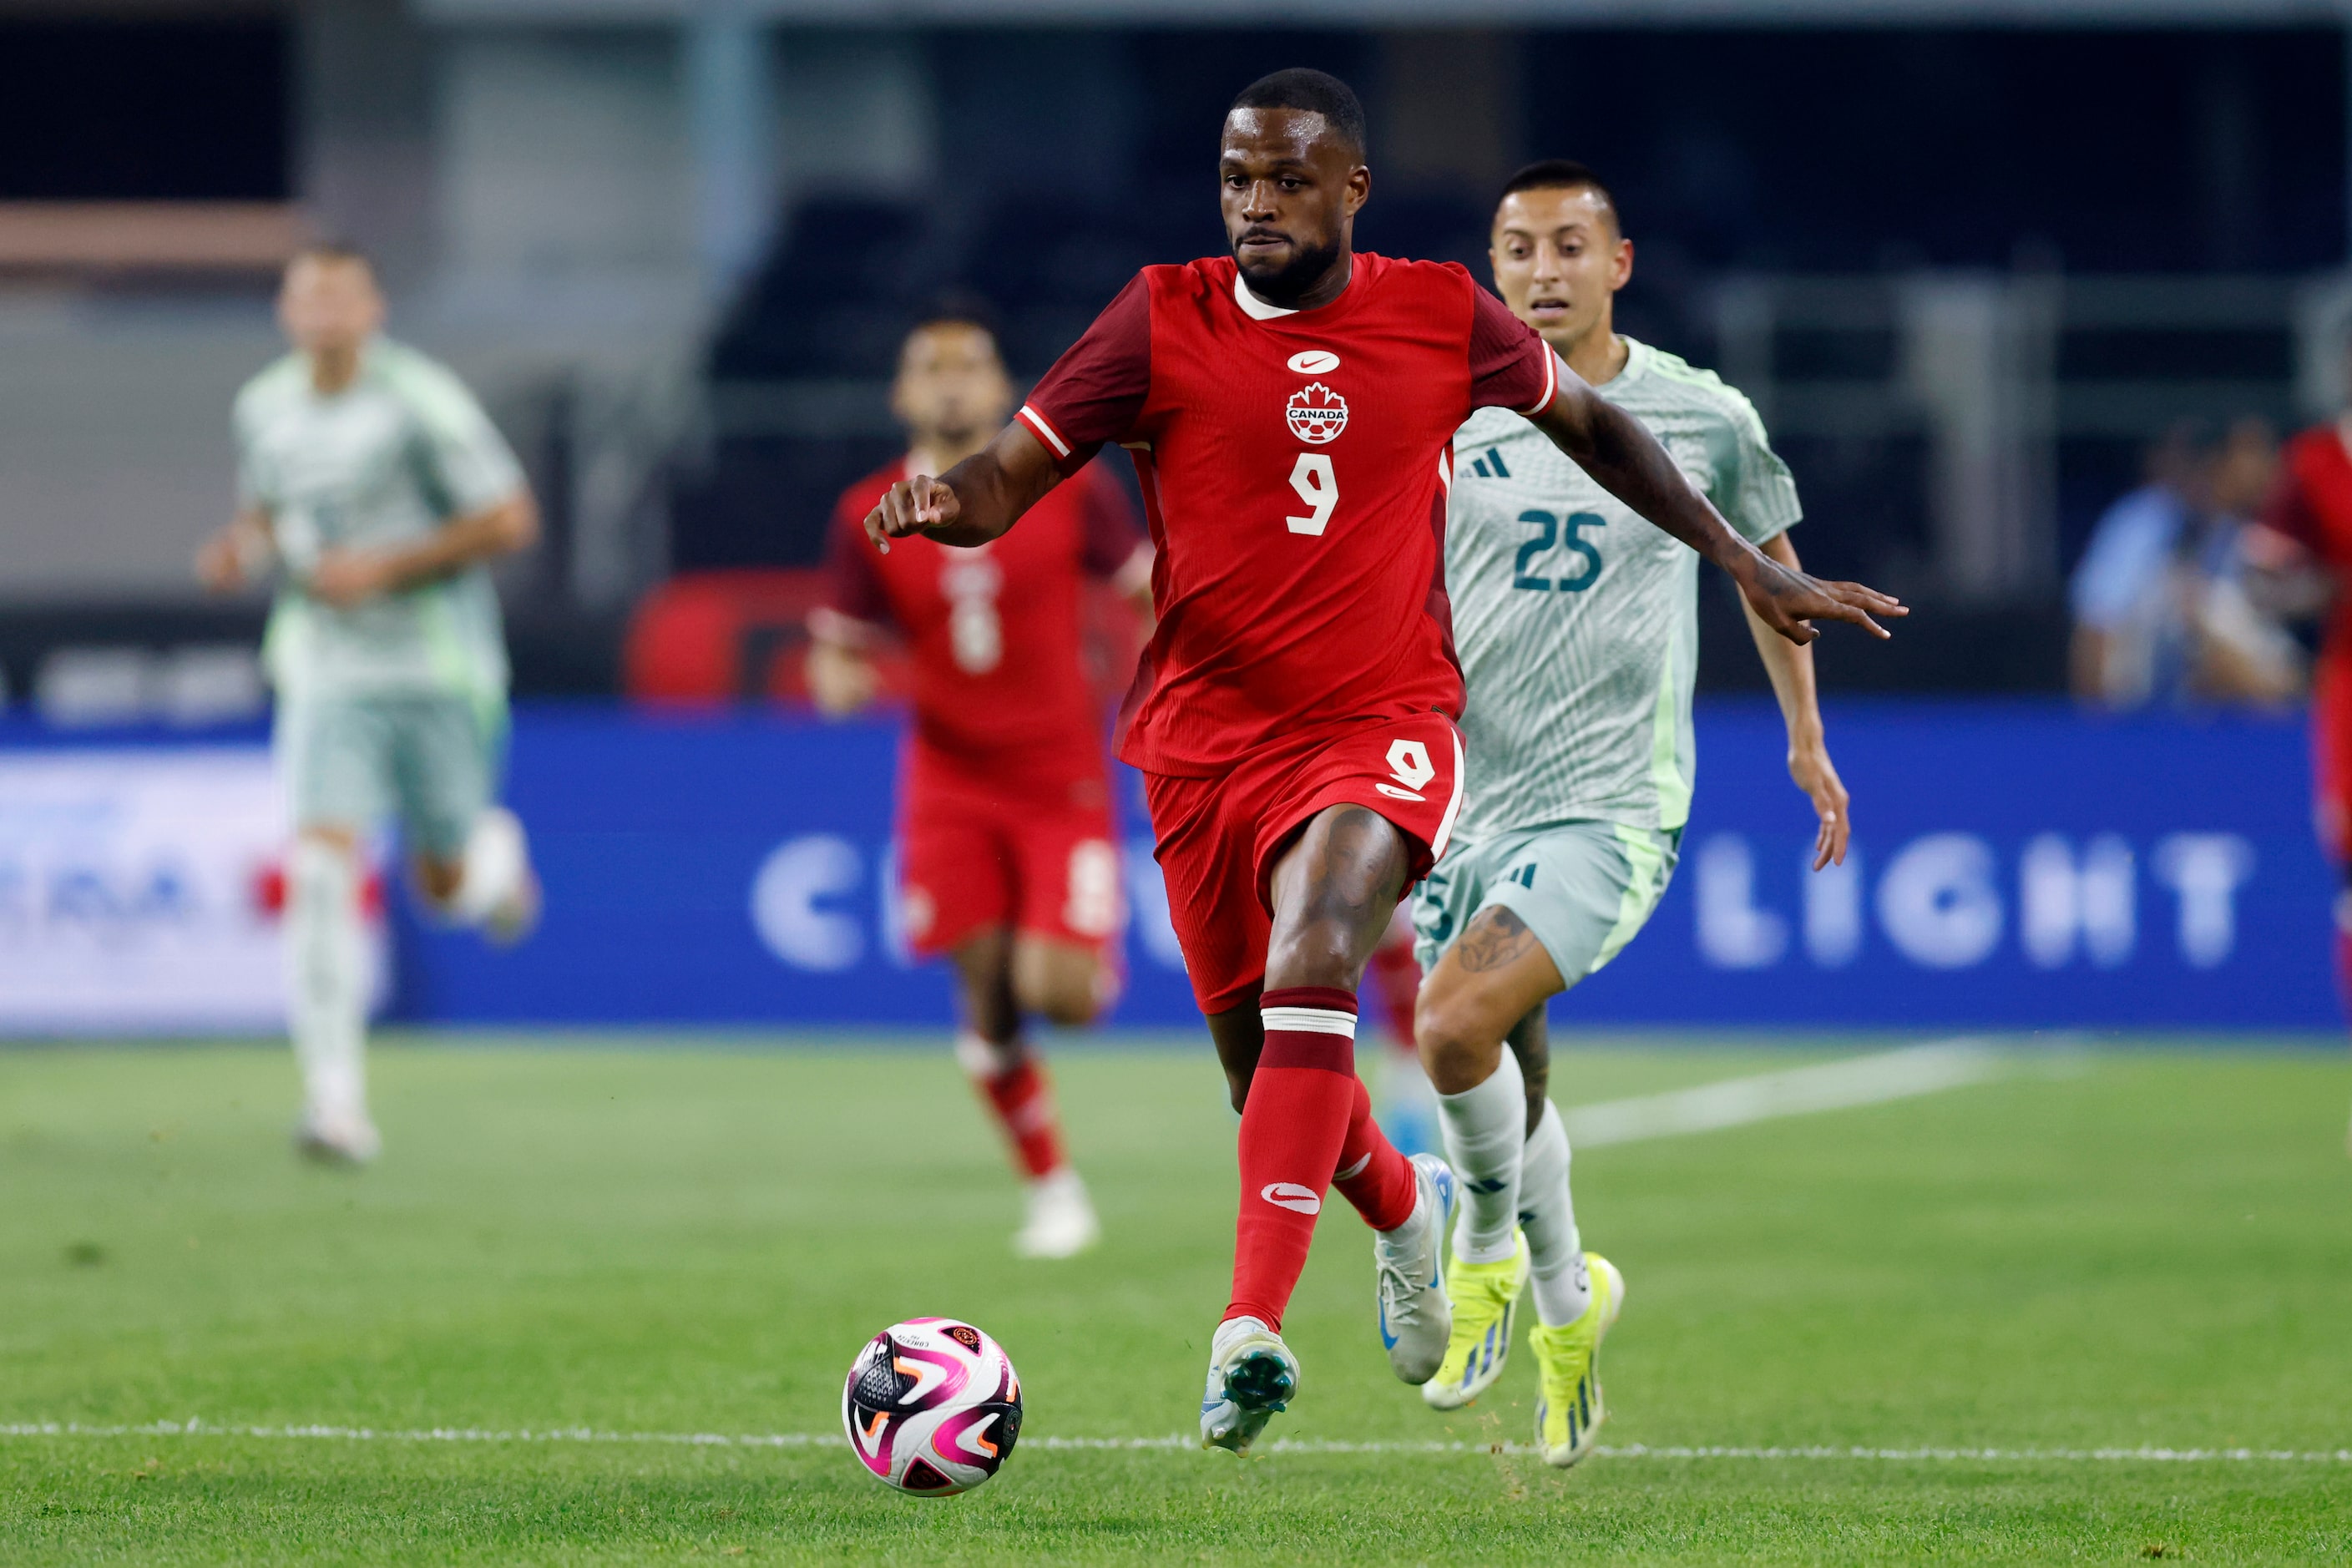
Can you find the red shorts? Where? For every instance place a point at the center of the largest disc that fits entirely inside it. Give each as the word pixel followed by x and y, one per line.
pixel 1218 837
pixel 1037 855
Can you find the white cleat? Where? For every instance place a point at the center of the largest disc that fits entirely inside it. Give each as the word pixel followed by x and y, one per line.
pixel 338 1138
pixel 1062 1222
pixel 500 852
pixel 1252 1375
pixel 514 919
pixel 1416 1318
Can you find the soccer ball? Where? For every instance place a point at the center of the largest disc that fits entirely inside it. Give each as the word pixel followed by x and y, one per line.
pixel 932 1407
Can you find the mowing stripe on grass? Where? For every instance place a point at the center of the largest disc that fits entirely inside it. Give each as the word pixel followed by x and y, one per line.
pixel 1873 1080
pixel 198 1428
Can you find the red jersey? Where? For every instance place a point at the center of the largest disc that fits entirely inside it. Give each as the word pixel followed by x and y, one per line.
pixel 2312 504
pixel 1294 469
pixel 1000 680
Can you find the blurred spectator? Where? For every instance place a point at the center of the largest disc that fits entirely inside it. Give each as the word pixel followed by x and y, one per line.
pixel 2241 651
pixel 2161 601
pixel 2127 626
pixel 2303 546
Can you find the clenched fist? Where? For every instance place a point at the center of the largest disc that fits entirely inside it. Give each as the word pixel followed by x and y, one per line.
pixel 910 506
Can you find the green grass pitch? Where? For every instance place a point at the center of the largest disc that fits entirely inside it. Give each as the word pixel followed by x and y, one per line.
pixel 2145 1249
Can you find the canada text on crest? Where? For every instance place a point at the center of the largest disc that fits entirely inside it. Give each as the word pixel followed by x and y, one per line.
pixel 1317 414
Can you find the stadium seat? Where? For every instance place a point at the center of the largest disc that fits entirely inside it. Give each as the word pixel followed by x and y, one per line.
pixel 711 637
pixel 708 638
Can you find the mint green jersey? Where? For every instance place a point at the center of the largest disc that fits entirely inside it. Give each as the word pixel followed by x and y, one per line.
pixel 385 461
pixel 1575 621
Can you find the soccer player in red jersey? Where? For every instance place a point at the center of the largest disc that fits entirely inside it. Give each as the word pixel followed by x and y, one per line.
pixel 1008 861
pixel 2311 505
pixel 1290 406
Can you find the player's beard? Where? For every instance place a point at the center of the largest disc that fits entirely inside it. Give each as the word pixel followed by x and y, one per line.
pixel 1305 268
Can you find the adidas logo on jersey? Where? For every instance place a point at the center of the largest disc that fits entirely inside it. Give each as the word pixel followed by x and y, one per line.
pixel 1317 414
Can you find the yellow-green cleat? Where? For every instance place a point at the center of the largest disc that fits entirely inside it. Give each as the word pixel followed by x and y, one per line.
pixel 1568 1409
pixel 1486 1299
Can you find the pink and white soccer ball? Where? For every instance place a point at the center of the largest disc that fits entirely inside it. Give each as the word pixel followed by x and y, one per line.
pixel 932 1407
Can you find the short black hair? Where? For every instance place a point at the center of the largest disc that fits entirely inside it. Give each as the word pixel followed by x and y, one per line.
pixel 1314 91
pixel 959 307
pixel 1564 175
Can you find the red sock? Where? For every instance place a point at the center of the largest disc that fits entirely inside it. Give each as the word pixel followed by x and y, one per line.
pixel 1021 1097
pixel 1292 1128
pixel 1372 1175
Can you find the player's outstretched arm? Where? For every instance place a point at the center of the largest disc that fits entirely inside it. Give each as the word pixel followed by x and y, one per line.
pixel 349 575
pixel 238 553
pixel 841 679
pixel 973 503
pixel 1627 461
pixel 1791 667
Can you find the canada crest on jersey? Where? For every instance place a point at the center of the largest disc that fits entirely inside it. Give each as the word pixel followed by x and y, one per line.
pixel 1317 414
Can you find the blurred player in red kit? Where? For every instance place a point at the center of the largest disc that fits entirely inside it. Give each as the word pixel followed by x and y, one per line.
pixel 2308 523
pixel 1009 864
pixel 1290 405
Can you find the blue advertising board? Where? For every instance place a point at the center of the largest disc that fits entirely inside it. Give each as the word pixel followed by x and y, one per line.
pixel 727 868
pixel 2014 865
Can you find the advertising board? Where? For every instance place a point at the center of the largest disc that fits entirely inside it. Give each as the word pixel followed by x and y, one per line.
pixel 2014 864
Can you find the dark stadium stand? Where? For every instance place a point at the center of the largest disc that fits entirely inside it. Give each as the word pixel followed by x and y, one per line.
pixel 718 637
pixel 704 639
pixel 800 370
pixel 825 316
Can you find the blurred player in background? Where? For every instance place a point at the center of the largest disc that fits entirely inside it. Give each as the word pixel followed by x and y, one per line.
pixel 1008 864
pixel 1579 634
pixel 2308 527
pixel 1291 404
pixel 372 478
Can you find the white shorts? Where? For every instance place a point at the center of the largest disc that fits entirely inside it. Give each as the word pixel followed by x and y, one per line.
pixel 1582 887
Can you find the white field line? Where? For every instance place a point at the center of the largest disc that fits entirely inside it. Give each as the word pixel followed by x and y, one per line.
pixel 1864 1080
pixel 1873 1080
pixel 198 1428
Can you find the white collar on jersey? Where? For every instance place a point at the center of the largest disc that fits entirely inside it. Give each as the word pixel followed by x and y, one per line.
pixel 1255 309
pixel 1637 360
pixel 1258 310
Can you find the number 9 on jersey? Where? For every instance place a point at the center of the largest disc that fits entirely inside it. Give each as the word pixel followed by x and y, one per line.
pixel 1312 477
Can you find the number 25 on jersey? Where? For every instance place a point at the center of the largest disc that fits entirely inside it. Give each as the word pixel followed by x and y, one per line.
pixel 1317 486
pixel 1550 529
